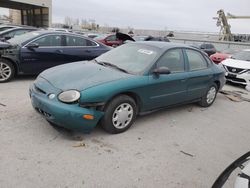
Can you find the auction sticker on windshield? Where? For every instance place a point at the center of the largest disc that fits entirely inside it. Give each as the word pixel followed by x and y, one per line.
pixel 148 52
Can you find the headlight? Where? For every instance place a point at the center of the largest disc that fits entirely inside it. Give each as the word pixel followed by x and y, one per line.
pixel 69 96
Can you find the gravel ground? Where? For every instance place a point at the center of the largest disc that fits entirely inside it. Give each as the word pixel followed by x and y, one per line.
pixel 185 146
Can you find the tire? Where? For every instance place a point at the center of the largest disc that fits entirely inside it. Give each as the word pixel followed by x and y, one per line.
pixel 119 114
pixel 210 96
pixel 7 70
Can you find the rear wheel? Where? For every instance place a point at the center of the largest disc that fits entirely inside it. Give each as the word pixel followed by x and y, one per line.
pixel 7 70
pixel 119 115
pixel 209 97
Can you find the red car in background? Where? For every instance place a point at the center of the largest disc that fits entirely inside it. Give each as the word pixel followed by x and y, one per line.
pixel 109 40
pixel 113 40
pixel 220 56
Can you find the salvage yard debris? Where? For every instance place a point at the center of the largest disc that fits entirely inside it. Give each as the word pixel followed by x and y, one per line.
pixel 2 105
pixel 79 145
pixel 235 96
pixel 188 154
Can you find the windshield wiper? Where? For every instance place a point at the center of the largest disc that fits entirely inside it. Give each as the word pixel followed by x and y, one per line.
pixel 103 63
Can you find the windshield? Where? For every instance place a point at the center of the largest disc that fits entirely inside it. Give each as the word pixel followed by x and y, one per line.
pixel 22 38
pixel 134 58
pixel 243 55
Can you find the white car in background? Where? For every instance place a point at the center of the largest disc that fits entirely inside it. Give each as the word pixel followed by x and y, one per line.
pixel 238 67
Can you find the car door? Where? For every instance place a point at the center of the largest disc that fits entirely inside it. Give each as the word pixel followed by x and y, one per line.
pixel 79 48
pixel 200 75
pixel 168 89
pixel 49 53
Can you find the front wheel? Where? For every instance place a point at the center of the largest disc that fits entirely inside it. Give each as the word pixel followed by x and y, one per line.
pixel 7 70
pixel 209 97
pixel 119 115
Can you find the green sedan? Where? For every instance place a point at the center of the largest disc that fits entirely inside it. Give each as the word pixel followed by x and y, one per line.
pixel 119 85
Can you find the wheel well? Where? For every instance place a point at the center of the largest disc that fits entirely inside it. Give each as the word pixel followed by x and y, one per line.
pixel 133 96
pixel 13 63
pixel 217 84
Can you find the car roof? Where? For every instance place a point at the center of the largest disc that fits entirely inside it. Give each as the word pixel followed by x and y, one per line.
pixel 163 45
pixel 43 32
pixel 17 28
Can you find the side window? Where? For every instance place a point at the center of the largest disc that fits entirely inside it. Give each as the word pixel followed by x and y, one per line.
pixel 20 32
pixel 91 43
pixel 50 40
pixel 196 60
pixel 172 59
pixel 111 38
pixel 75 41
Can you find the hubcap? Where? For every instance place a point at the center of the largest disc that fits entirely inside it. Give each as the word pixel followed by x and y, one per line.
pixel 211 95
pixel 122 115
pixel 5 71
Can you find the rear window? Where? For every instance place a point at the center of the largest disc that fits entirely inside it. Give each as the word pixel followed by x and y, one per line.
pixel 196 60
pixel 78 41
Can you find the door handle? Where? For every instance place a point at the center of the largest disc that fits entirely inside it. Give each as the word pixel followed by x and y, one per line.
pixel 59 51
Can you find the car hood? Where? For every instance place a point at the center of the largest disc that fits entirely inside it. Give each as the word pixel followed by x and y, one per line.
pixel 236 63
pixel 81 75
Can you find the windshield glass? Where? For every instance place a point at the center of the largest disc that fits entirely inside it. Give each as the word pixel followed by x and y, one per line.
pixel 134 58
pixel 22 38
pixel 243 55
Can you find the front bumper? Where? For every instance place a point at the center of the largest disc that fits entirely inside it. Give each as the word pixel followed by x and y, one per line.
pixel 69 116
pixel 243 78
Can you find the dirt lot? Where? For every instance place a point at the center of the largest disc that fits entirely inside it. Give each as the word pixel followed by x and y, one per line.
pixel 185 146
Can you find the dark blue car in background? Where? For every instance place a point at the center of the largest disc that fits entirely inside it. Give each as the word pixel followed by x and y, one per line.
pixel 33 52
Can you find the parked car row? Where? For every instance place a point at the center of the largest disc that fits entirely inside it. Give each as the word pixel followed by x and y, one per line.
pixel 119 84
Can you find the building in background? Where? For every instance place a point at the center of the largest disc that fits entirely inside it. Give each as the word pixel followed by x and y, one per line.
pixel 36 13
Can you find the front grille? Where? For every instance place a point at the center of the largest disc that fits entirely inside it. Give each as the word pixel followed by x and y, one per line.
pixel 46 114
pixel 236 79
pixel 235 70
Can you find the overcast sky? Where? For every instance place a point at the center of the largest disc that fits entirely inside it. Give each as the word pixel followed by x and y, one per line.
pixel 191 15
pixel 155 14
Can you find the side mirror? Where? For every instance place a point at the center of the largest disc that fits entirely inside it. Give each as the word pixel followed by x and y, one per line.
pixel 32 45
pixel 161 70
